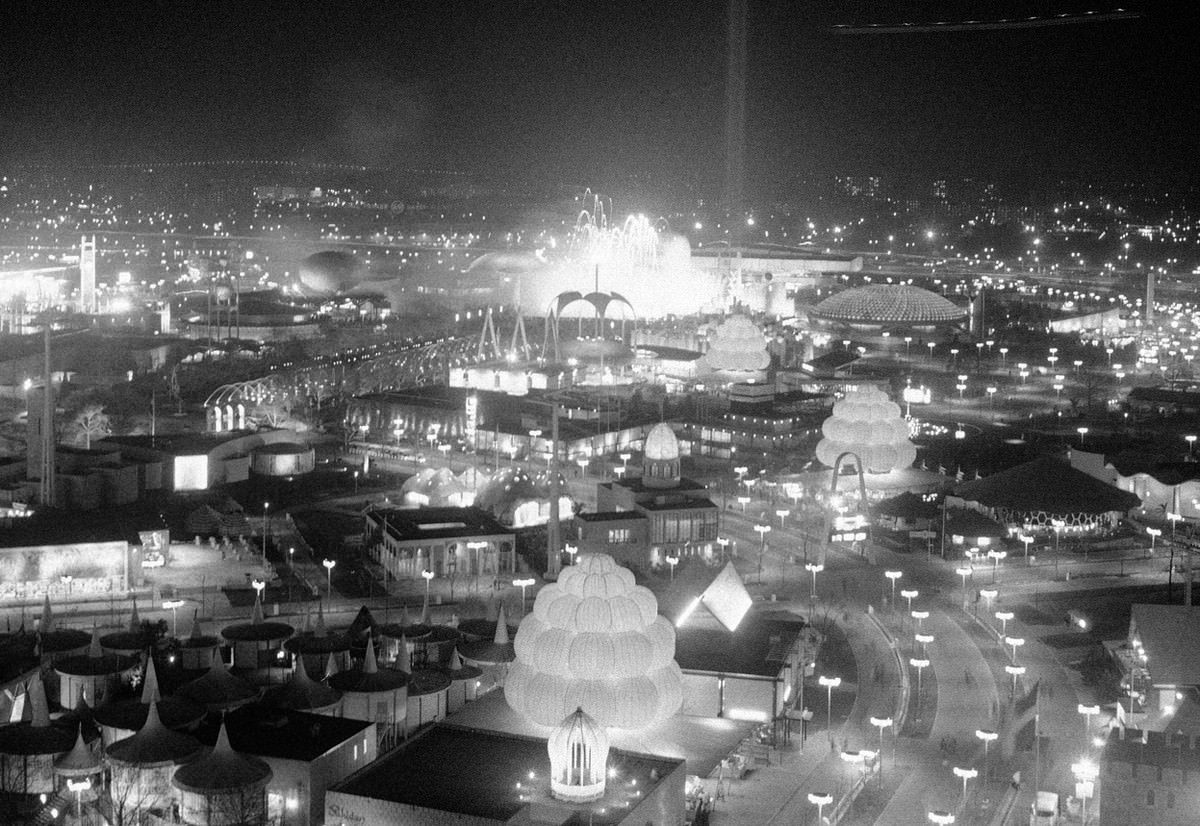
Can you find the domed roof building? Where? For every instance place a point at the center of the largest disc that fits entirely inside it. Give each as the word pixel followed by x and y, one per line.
pixel 877 305
pixel 595 641
pixel 660 463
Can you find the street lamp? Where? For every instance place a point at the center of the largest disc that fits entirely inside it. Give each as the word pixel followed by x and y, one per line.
pixel 356 483
pixel 1025 540
pixel 965 774
pixel 1004 617
pixel 723 541
pixel 762 530
pixel 987 736
pixel 924 640
pixel 1014 671
pixel 266 531
pixel 523 584
pixel 1088 712
pixel 830 683
pixel 1082 431
pixel 782 513
pixel 1191 440
pixel 964 572
pixel 941 818
pixel 175 605
pixel 1085 772
pixel 329 563
pixel 882 723
pixel 1015 642
pixel 743 501
pixel 909 595
pixel 920 617
pixel 920 664
pixel 427 575
pixel 814 568
pixel 988 594
pixel 820 800
pixel 79 787
pixel 671 560
pixel 893 576
pixel 1154 534
pixel 991 391
pixel 996 556
pixel 1003 353
pixel 930 345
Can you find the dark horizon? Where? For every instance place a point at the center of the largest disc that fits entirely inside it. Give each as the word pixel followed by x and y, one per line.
pixel 599 94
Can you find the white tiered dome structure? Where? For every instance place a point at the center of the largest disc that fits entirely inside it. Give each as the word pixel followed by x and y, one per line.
pixel 578 759
pixel 660 463
pixel 596 642
pixel 869 425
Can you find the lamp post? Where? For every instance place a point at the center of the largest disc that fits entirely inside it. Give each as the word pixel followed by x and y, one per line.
pixel 1154 534
pixel 991 391
pixel 893 576
pixel 523 584
pixel 762 530
pixel 988 594
pixel 1191 440
pixel 920 617
pixel 1082 431
pixel 1004 617
pixel 1015 643
pixel 783 514
pixel 1014 671
pixel 1025 540
pixel 820 800
pixel 743 501
pixel 964 572
pixel 1088 712
pixel 829 683
pixel 259 586
pixel 924 640
pixel 920 664
pixel 723 542
pixel 175 605
pixel 882 723
pixel 329 563
pixel 988 737
pixel 266 531
pixel 941 818
pixel 672 561
pixel 965 774
pixel 1003 355
pixel 909 595
pixel 996 556
pixel 814 568
pixel 427 575
pixel 1085 772
pixel 79 787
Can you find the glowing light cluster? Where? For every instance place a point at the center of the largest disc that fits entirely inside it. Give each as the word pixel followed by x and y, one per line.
pixel 595 642
pixel 868 424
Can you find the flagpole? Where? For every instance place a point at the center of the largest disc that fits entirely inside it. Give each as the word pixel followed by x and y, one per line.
pixel 1037 738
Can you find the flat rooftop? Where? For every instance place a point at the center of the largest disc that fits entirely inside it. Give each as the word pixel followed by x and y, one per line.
pixel 487 774
pixel 416 524
pixel 285 734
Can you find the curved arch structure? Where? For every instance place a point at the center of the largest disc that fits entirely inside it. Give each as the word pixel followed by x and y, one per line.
pixel 601 304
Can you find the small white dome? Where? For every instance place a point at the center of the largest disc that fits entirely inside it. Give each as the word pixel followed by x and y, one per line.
pixel 661 443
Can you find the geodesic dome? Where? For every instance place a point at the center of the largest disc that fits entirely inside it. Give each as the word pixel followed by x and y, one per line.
pixel 868 424
pixel 596 642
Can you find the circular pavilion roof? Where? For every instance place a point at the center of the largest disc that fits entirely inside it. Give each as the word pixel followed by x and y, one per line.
pixel 889 304
pixel 154 745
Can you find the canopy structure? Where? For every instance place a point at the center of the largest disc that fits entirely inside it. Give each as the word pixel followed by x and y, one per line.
pixel 1036 495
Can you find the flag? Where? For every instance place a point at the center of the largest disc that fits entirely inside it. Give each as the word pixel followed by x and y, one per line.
pixel 942 469
pixel 958 474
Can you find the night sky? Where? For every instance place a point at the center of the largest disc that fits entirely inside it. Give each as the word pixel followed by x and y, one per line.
pixel 579 91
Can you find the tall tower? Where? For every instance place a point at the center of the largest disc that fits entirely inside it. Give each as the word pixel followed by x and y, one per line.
pixel 87 274
pixel 1149 295
pixel 735 108
pixel 39 454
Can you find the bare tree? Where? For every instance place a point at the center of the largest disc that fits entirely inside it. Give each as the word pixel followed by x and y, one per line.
pixel 91 422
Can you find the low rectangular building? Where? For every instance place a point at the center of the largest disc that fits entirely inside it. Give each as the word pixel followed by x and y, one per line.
pixel 1149 777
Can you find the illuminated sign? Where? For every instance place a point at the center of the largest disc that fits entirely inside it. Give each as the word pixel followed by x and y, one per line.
pixel 472 415
pixel 191 473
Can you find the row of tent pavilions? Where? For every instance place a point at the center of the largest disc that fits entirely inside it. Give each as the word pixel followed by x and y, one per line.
pixel 140 744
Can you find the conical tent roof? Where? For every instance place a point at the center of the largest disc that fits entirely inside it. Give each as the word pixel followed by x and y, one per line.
pixel 135 622
pixel 217 689
pixel 302 692
pixel 370 678
pixel 150 692
pixel 222 770
pixel 79 761
pixel 403 657
pixel 154 745
pixel 47 623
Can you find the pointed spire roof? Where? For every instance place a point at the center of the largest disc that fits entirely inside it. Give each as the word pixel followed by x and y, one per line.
pixel 425 610
pixel 135 622
pixel 370 665
pixel 154 744
pixel 331 666
pixel 257 617
pixel 197 630
pixel 307 627
pixel 456 662
pixel 303 693
pixel 501 637
pixel 222 770
pixel 95 651
pixel 404 656
pixel 150 691
pixel 47 623
pixel 320 629
pixel 217 689
pixel 80 760
pixel 38 707
pixel 404 618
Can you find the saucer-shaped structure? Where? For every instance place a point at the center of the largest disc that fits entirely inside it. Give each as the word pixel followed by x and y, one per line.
pixel 596 642
pixel 889 304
